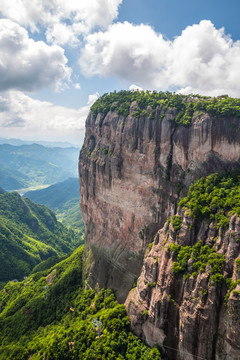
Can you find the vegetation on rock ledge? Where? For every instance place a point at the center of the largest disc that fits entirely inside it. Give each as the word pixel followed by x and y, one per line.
pixel 215 197
pixel 185 106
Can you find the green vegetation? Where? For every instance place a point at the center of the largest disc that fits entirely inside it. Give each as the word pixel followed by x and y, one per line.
pixel 185 106
pixel 176 222
pixel 30 165
pixel 60 325
pixel 214 197
pixel 29 233
pixel 200 256
pixel 63 198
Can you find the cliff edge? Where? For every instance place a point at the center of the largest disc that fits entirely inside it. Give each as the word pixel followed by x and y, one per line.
pixel 141 152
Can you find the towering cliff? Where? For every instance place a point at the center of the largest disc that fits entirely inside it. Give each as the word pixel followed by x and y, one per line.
pixel 141 153
pixel 187 297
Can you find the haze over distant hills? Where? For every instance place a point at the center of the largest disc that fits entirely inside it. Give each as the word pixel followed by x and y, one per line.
pixel 35 165
pixel 18 142
pixel 63 198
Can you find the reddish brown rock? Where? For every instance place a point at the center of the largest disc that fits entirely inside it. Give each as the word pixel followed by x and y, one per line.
pixel 190 317
pixel 132 173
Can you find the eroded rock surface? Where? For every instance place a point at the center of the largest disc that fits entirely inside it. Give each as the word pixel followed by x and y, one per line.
pixel 132 174
pixel 190 316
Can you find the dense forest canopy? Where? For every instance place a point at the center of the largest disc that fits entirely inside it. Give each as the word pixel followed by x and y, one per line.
pixel 29 233
pixel 184 105
pixel 51 316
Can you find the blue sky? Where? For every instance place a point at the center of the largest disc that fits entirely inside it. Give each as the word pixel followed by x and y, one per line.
pixel 57 57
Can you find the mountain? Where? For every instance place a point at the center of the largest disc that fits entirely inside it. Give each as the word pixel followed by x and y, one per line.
pixel 29 233
pixel 30 165
pixel 63 198
pixel 18 142
pixel 142 152
pixel 51 316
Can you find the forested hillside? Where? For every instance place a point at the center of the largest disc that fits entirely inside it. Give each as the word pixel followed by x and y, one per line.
pixel 29 233
pixel 63 198
pixel 52 317
pixel 30 165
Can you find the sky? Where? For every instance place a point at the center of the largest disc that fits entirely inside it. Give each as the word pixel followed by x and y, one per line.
pixel 57 57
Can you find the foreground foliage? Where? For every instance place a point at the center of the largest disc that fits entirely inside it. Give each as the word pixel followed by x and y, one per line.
pixel 185 106
pixel 29 233
pixel 60 326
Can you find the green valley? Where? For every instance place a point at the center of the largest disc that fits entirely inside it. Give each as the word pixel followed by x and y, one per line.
pixel 29 233
pixel 30 165
pixel 63 198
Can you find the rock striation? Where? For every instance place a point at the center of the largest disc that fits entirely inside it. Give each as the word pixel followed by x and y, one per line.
pixel 191 317
pixel 133 171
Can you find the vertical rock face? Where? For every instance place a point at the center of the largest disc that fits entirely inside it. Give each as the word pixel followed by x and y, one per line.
pixel 190 317
pixel 132 173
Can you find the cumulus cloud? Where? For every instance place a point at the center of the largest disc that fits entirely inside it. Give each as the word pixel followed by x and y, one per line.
pixel 202 59
pixel 92 98
pixel 21 115
pixel 65 20
pixel 131 52
pixel 29 65
pixel 134 87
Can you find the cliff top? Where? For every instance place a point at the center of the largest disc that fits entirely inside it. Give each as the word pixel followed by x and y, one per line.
pixel 184 105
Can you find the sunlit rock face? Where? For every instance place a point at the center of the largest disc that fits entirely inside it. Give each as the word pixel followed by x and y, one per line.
pixel 132 174
pixel 193 316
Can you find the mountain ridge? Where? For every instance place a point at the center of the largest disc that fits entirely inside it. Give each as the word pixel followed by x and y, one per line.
pixel 29 233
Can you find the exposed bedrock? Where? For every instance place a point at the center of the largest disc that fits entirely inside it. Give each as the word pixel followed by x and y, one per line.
pixel 132 174
pixel 191 317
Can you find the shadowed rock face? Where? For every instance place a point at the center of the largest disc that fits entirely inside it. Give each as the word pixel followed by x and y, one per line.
pixel 132 173
pixel 190 317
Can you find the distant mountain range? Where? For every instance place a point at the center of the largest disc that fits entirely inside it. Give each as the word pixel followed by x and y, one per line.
pixel 29 165
pixel 29 233
pixel 18 142
pixel 63 198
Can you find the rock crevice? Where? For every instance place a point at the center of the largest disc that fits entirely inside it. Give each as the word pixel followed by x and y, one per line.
pixel 132 173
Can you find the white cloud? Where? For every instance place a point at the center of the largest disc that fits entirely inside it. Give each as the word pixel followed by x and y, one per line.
pixel 134 87
pixel 62 34
pixel 23 116
pixel 92 98
pixel 29 65
pixel 65 20
pixel 202 59
pixel 131 52
pixel 77 86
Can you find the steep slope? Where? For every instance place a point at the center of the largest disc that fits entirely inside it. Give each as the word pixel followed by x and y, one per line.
pixel 26 165
pixel 141 152
pixel 29 233
pixel 63 198
pixel 58 324
pixel 187 297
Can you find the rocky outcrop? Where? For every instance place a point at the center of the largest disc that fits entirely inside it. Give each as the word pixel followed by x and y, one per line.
pixel 132 173
pixel 190 317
